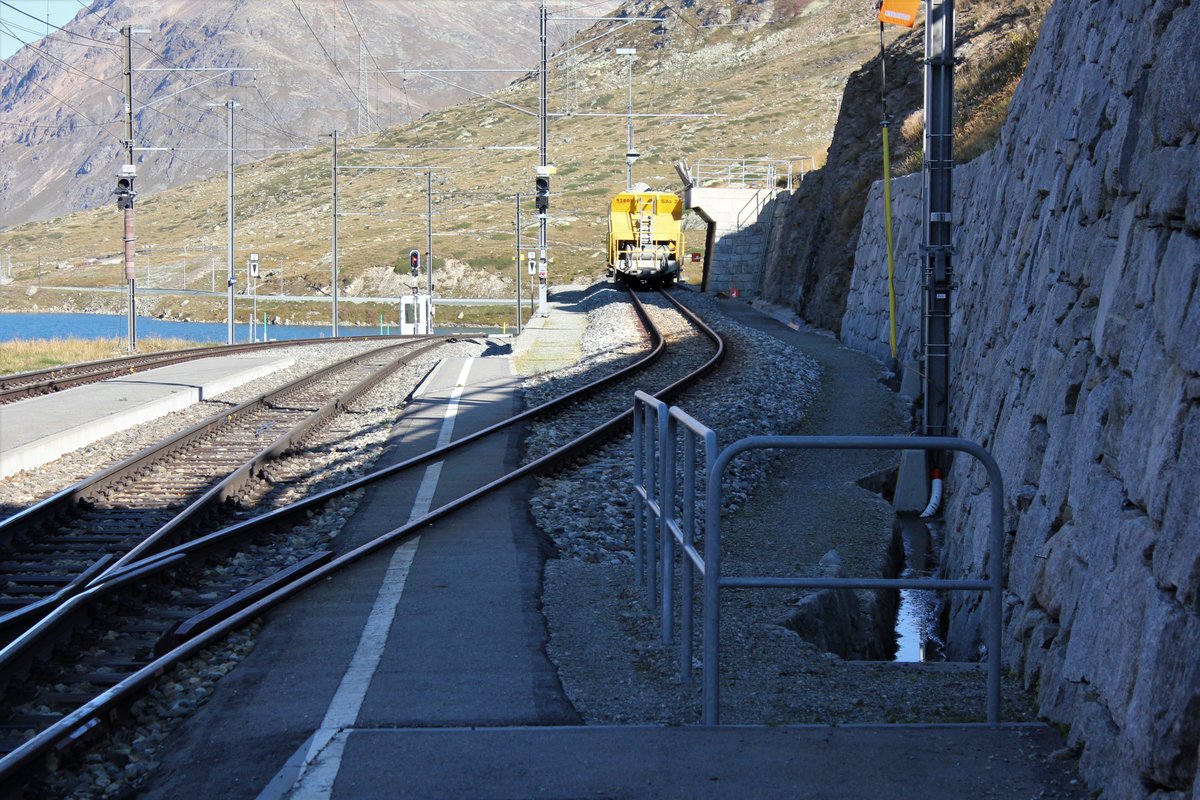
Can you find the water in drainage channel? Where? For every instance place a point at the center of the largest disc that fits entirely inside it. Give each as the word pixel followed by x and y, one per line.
pixel 918 628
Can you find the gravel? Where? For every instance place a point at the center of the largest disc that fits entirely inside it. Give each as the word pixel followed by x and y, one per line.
pixel 35 484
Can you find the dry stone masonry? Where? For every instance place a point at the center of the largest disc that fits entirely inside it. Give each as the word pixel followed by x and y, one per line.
pixel 1076 360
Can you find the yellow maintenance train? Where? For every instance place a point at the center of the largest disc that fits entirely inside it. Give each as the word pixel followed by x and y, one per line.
pixel 645 235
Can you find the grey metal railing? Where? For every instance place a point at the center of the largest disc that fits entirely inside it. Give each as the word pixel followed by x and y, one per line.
pixel 655 501
pixel 649 414
pixel 744 173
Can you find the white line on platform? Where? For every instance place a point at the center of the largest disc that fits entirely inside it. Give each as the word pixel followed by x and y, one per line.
pixel 323 752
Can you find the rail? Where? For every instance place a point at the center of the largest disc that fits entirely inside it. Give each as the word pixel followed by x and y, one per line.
pixel 19 385
pixel 656 512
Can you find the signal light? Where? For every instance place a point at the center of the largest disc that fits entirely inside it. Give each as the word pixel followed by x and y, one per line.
pixel 124 192
pixel 414 261
pixel 542 182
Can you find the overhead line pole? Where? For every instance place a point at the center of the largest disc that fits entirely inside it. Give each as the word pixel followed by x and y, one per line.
pixel 938 247
pixel 231 275
pixel 630 155
pixel 543 256
pixel 335 241
pixel 429 248
pixel 129 237
pixel 518 237
pixel 231 278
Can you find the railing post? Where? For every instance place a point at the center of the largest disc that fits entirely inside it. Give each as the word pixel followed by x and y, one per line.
pixel 639 482
pixel 996 595
pixel 712 599
pixel 666 546
pixel 653 532
pixel 686 567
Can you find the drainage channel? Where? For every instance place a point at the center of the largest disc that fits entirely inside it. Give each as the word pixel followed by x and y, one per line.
pixel 918 627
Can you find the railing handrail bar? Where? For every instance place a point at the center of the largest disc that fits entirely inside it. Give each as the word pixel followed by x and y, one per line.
pixel 994 585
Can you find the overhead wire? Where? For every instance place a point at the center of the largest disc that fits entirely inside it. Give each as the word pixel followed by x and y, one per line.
pixel 32 32
pixel 100 125
pixel 278 127
pixel 321 44
pixel 72 68
pixel 144 104
pixel 52 25
pixel 79 111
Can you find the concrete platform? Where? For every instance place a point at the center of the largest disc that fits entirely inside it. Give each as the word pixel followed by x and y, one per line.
pixel 552 342
pixel 40 429
pixel 697 762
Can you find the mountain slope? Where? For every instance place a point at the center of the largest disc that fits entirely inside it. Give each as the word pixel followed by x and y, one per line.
pixel 767 87
pixel 63 98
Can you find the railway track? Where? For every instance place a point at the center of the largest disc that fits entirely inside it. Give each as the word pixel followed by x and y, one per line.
pixel 23 385
pixel 159 496
pixel 145 606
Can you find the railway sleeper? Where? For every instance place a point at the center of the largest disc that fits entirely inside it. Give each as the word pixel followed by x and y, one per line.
pixel 24 561
pixel 235 602
pixel 39 582
pixel 66 697
pixel 55 543
pixel 18 725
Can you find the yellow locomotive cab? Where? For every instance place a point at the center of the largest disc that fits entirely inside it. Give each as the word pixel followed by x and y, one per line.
pixel 645 235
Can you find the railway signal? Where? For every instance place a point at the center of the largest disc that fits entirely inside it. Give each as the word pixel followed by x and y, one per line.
pixel 124 191
pixel 414 262
pixel 542 201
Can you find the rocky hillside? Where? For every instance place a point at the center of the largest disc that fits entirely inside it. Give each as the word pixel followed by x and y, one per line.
pixel 814 235
pixel 63 96
pixel 1076 361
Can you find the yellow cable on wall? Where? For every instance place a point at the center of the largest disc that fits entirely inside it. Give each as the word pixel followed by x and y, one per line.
pixel 887 225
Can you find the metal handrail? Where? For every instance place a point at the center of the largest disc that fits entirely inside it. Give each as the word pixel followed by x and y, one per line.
pixel 756 173
pixel 676 532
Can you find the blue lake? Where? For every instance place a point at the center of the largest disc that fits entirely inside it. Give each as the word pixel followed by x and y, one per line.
pixel 115 326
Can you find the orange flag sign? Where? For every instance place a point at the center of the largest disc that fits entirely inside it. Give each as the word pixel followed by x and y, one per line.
pixel 899 12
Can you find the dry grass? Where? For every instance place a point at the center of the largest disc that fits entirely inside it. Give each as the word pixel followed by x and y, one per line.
pixel 913 128
pixel 34 354
pixel 983 91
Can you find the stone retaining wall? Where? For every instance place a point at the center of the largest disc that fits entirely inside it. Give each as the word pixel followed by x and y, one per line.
pixel 1076 361
pixel 865 324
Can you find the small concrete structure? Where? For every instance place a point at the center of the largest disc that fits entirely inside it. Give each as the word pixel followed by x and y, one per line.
pixel 739 223
pixel 737 198
pixel 912 482
pixel 40 429
pixel 416 315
